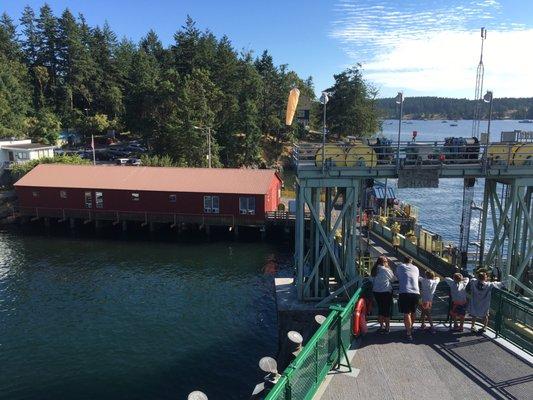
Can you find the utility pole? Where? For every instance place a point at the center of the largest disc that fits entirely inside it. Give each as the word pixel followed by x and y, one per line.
pixel 207 131
pixel 209 145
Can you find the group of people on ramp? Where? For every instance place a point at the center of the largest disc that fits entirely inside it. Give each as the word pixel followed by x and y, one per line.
pixel 417 290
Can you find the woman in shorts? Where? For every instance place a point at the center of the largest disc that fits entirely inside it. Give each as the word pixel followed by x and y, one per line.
pixel 382 278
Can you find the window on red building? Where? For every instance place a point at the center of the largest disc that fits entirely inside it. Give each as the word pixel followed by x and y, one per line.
pixel 247 205
pixel 88 200
pixel 211 204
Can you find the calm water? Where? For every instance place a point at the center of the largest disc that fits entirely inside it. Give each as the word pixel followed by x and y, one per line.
pixel 122 319
pixel 440 209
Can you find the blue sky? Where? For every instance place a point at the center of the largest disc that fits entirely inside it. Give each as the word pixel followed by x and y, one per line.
pixel 425 47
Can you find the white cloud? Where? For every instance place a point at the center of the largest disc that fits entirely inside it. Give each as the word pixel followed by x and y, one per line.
pixel 431 48
pixel 446 62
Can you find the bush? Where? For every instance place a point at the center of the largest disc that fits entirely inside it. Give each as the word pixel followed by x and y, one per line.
pixel 160 161
pixel 19 170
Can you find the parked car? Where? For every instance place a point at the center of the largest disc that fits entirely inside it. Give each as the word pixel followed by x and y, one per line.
pixel 134 161
pixel 136 147
pixel 121 161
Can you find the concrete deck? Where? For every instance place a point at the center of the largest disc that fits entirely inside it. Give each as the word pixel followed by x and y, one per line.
pixel 441 366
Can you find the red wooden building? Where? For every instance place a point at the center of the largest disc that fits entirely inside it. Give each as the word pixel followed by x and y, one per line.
pixel 151 194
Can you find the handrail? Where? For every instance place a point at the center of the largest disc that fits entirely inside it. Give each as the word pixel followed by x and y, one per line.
pixel 294 377
pixel 512 319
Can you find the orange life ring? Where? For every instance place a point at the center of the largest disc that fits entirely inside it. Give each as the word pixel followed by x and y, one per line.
pixel 359 318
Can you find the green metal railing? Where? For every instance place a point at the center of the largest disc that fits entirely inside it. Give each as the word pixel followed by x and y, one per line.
pixel 325 350
pixel 512 319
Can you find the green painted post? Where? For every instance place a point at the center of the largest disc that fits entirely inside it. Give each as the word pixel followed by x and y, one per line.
pixel 498 318
pixel 484 216
pixel 511 249
pixel 316 363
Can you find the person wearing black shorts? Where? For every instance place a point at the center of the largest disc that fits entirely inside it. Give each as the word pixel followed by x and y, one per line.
pixel 382 278
pixel 408 302
pixel 408 276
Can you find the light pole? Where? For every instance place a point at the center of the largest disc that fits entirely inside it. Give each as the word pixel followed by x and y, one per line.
pixel 488 99
pixel 399 101
pixel 324 99
pixel 207 131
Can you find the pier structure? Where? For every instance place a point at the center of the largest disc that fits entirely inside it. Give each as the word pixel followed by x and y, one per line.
pixel 509 204
pixel 329 189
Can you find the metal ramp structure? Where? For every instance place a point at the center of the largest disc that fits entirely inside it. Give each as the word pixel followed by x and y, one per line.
pixel 329 189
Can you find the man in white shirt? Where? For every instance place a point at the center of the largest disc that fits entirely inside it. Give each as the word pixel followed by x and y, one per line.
pixel 408 275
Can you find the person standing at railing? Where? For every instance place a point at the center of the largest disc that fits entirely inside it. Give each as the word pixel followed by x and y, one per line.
pixel 408 275
pixel 382 278
pixel 458 294
pixel 428 285
pixel 479 304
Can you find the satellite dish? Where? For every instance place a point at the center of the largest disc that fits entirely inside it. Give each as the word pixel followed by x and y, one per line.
pixel 295 337
pixel 197 395
pixel 319 319
pixel 268 364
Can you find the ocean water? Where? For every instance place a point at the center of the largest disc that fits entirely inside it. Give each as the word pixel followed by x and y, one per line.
pixel 91 318
pixel 440 209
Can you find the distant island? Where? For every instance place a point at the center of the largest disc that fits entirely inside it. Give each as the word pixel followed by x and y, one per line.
pixel 429 107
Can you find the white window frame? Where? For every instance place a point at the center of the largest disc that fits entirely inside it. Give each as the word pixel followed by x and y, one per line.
pixel 211 204
pixel 247 205
pixel 99 199
pixel 215 204
pixel 135 196
pixel 88 198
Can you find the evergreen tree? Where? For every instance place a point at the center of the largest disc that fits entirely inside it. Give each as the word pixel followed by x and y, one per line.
pixel 14 98
pixel 47 39
pixel 351 109
pixel 9 45
pixel 75 68
pixel 184 136
pixel 29 43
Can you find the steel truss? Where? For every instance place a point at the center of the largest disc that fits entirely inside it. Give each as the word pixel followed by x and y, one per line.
pixel 326 244
pixel 508 204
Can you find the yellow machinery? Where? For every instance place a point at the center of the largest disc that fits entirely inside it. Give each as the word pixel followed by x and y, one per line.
pixel 333 153
pixel 499 153
pixel 523 154
pixel 357 154
pixel 517 154
pixel 361 155
pixel 431 242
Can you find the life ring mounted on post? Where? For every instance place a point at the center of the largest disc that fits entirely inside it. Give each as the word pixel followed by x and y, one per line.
pixel 359 318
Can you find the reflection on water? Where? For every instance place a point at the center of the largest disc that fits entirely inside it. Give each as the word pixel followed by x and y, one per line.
pixel 110 319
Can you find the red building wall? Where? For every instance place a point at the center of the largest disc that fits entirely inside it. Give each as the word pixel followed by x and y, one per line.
pixel 121 200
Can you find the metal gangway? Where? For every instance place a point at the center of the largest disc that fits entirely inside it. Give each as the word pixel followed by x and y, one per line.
pixel 333 176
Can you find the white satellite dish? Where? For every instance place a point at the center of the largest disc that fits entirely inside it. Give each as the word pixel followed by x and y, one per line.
pixel 319 319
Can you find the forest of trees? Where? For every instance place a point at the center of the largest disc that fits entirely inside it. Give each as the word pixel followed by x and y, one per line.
pixel 57 73
pixel 449 108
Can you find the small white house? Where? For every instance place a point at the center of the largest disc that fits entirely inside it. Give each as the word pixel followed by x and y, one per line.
pixel 22 150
